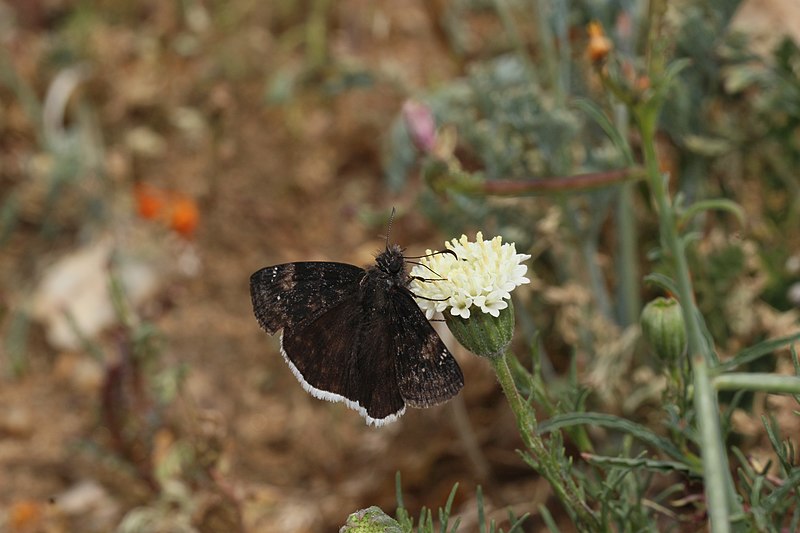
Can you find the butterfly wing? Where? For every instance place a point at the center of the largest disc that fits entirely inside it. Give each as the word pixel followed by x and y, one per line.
pixel 285 295
pixel 346 340
pixel 336 351
pixel 344 355
pixel 427 373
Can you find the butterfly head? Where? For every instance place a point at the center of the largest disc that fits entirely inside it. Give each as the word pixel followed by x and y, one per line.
pixel 392 264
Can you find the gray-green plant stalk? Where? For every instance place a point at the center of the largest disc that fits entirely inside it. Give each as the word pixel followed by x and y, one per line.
pixel 548 465
pixel 722 501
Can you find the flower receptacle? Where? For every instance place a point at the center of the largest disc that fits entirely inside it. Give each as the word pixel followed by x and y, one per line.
pixel 371 520
pixel 482 333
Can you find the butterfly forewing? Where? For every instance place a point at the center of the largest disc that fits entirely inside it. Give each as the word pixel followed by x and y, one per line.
pixel 285 295
pixel 427 373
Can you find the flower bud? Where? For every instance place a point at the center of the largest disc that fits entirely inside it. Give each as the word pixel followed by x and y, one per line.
pixel 599 45
pixel 371 520
pixel 483 334
pixel 420 124
pixel 664 329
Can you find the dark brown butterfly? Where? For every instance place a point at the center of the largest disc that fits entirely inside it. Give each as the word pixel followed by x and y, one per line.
pixel 356 335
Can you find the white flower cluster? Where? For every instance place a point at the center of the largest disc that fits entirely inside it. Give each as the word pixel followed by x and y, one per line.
pixel 483 275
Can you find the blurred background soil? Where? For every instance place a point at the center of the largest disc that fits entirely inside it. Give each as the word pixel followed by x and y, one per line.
pixel 154 154
pixel 158 124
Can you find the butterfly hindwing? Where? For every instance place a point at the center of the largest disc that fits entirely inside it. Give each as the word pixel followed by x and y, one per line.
pixel 343 355
pixel 285 295
pixel 427 373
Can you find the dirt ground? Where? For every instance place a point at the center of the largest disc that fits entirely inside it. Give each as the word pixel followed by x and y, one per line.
pixel 272 183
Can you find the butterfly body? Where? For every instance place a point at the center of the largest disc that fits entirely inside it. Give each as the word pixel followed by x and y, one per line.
pixel 356 335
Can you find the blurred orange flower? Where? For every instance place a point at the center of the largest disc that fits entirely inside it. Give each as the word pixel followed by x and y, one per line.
pixel 184 216
pixel 599 45
pixel 149 201
pixel 25 515
pixel 173 209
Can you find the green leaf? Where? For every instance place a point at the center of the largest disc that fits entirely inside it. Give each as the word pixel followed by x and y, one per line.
pixel 774 437
pixel 719 204
pixel 780 494
pixel 594 111
pixel 756 352
pixel 548 519
pixel 444 514
pixel 516 523
pixel 663 281
pixel 637 463
pixel 402 515
pixel 637 431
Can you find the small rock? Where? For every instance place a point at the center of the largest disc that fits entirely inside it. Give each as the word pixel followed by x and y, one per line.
pixel 16 421
pixel 89 506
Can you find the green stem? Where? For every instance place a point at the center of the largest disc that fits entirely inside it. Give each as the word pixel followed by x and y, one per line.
pixel 526 419
pixel 670 240
pixel 628 268
pixel 629 275
pixel 719 487
pixel 772 383
pixel 716 475
pixel 562 483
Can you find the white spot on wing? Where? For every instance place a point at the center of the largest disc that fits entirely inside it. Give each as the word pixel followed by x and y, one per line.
pixel 333 397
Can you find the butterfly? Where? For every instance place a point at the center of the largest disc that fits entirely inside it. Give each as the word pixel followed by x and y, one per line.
pixel 356 335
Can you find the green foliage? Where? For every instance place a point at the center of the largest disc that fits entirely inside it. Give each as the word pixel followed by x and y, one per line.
pixel 426 523
pixel 707 117
pixel 67 171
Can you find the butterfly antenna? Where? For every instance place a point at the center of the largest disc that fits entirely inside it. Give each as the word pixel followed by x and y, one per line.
pixel 389 227
pixel 423 265
pixel 451 252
